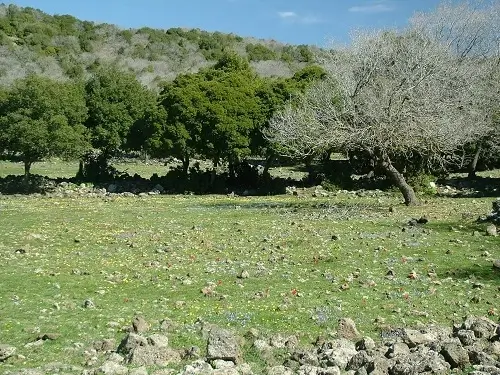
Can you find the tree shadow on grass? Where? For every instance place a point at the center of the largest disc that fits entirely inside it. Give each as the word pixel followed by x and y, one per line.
pixel 478 187
pixel 477 272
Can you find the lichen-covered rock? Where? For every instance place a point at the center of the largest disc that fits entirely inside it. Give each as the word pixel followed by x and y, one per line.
pixel 6 351
pixel 222 344
pixel 455 355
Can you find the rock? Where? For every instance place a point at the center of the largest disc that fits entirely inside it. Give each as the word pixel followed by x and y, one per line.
pixel 466 337
pixel 336 353
pixel 481 326
pixel 105 345
pixel 306 358
pixel 198 367
pixel 130 342
pixel 455 355
pixel 153 356
pixel 413 338
pixel 359 360
pixel 140 325
pixel 244 274
pixel 111 188
pixel 138 371
pixel 496 264
pixel 88 304
pixel 111 368
pixel 220 364
pixel 366 343
pixel 422 360
pixel 279 370
pixel 222 344
pixel 347 329
pixel 158 340
pixel 491 230
pixel 6 351
pixel 398 349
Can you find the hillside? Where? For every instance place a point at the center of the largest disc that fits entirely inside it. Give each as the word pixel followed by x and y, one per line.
pixel 63 46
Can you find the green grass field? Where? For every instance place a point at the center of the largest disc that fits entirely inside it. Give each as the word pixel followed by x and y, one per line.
pixel 309 261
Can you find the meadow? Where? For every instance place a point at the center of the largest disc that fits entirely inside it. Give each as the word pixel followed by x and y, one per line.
pixel 280 264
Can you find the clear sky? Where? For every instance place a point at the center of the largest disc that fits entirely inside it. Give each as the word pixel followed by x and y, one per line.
pixel 290 21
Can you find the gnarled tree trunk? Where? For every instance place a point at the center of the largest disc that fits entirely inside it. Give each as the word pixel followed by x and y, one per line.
pixel 473 163
pixel 397 178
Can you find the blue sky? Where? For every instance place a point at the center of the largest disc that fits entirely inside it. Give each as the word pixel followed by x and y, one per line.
pixel 290 21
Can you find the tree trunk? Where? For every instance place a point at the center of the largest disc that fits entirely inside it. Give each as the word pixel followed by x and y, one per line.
pixel 269 161
pixel 185 165
pixel 397 178
pixel 473 163
pixel 27 168
pixel 81 169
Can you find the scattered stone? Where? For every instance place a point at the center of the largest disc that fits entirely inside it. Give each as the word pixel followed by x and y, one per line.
pixel 455 355
pixel 140 325
pixel 6 351
pixel 491 230
pixel 496 264
pixel 244 274
pixel 138 371
pixel 111 368
pixel 347 329
pixel 222 344
pixel 153 356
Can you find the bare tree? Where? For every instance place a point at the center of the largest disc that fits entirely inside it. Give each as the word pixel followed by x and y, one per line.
pixel 388 93
pixel 470 30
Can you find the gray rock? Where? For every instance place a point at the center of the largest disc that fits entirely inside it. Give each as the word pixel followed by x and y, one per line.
pixel 158 340
pixel 347 329
pixel 398 349
pixel 138 371
pixel 413 338
pixel 455 355
pixel 222 344
pixel 336 353
pixel 491 230
pixel 367 343
pixel 490 370
pixel 130 342
pixel 105 345
pixel 422 360
pixel 140 325
pixel 359 360
pixel 481 326
pixel 198 367
pixel 153 356
pixel 111 368
pixel 6 351
pixel 279 370
pixel 466 337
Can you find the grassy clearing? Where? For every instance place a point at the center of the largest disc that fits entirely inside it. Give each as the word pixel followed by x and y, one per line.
pixel 179 257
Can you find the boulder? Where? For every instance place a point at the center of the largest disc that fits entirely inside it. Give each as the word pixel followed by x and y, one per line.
pixel 222 344
pixel 455 355
pixel 6 351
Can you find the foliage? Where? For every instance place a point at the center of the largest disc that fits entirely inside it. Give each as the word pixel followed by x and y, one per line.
pixel 43 118
pixel 258 52
pixel 116 100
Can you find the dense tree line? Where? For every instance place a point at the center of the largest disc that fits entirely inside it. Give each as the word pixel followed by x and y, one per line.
pixel 216 114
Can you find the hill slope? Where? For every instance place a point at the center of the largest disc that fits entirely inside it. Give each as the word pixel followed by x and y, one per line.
pixel 60 46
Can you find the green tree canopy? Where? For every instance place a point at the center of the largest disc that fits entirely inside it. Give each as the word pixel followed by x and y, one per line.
pixel 42 118
pixel 116 100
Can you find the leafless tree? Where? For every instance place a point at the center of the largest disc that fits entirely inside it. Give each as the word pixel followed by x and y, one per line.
pixel 387 93
pixel 471 30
